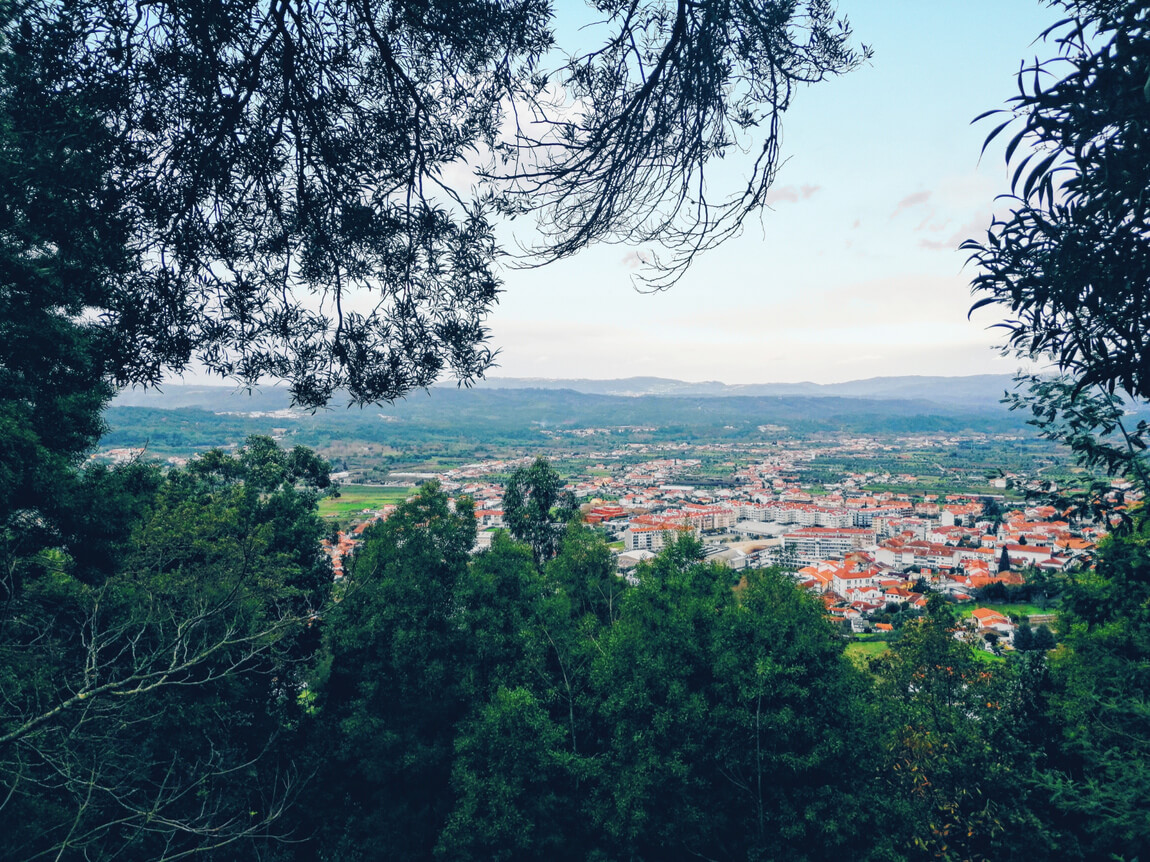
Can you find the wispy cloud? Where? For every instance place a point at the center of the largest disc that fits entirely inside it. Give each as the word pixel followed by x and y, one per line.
pixel 791 194
pixel 910 202
pixel 634 260
pixel 972 228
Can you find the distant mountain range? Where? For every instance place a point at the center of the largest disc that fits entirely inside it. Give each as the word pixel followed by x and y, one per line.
pixel 517 411
pixel 978 392
pixel 974 390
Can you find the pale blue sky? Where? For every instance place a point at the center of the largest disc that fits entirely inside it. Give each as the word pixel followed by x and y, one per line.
pixel 856 276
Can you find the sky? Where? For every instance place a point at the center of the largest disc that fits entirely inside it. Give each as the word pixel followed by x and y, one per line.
pixel 854 271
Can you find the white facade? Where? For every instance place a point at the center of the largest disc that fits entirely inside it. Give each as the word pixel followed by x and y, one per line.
pixel 810 546
pixel 648 538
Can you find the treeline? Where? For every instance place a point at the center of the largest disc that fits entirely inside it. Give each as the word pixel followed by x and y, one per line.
pixel 182 677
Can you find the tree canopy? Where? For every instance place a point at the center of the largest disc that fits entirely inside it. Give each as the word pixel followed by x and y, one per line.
pixel 149 689
pixel 267 188
pixel 536 508
pixel 1071 260
pixel 1069 264
pixel 219 181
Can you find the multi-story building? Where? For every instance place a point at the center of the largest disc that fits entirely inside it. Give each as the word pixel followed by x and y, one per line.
pixel 651 537
pixel 810 544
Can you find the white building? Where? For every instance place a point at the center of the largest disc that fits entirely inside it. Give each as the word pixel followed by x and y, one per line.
pixel 811 544
pixel 644 537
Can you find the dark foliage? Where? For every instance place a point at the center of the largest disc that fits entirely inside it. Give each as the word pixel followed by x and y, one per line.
pixel 670 90
pixel 392 687
pixel 150 681
pixel 537 509
pixel 261 187
pixel 1095 790
pixel 1070 263
pixel 954 758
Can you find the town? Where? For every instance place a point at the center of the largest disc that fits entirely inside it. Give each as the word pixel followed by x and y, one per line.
pixel 871 545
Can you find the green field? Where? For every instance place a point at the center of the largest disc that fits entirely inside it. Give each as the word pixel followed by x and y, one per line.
pixel 353 499
pixel 1013 611
pixel 986 657
pixel 861 652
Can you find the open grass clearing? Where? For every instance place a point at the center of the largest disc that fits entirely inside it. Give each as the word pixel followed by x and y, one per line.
pixel 353 499
pixel 986 657
pixel 1014 611
pixel 860 652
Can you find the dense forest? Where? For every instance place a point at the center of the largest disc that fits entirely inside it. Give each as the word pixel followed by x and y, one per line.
pixel 187 678
pixel 180 673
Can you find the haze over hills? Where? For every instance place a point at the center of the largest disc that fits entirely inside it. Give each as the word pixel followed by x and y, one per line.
pixel 183 417
pixel 980 391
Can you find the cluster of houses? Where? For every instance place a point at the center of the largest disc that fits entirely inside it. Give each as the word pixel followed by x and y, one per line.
pixel 860 552
pixel 342 546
